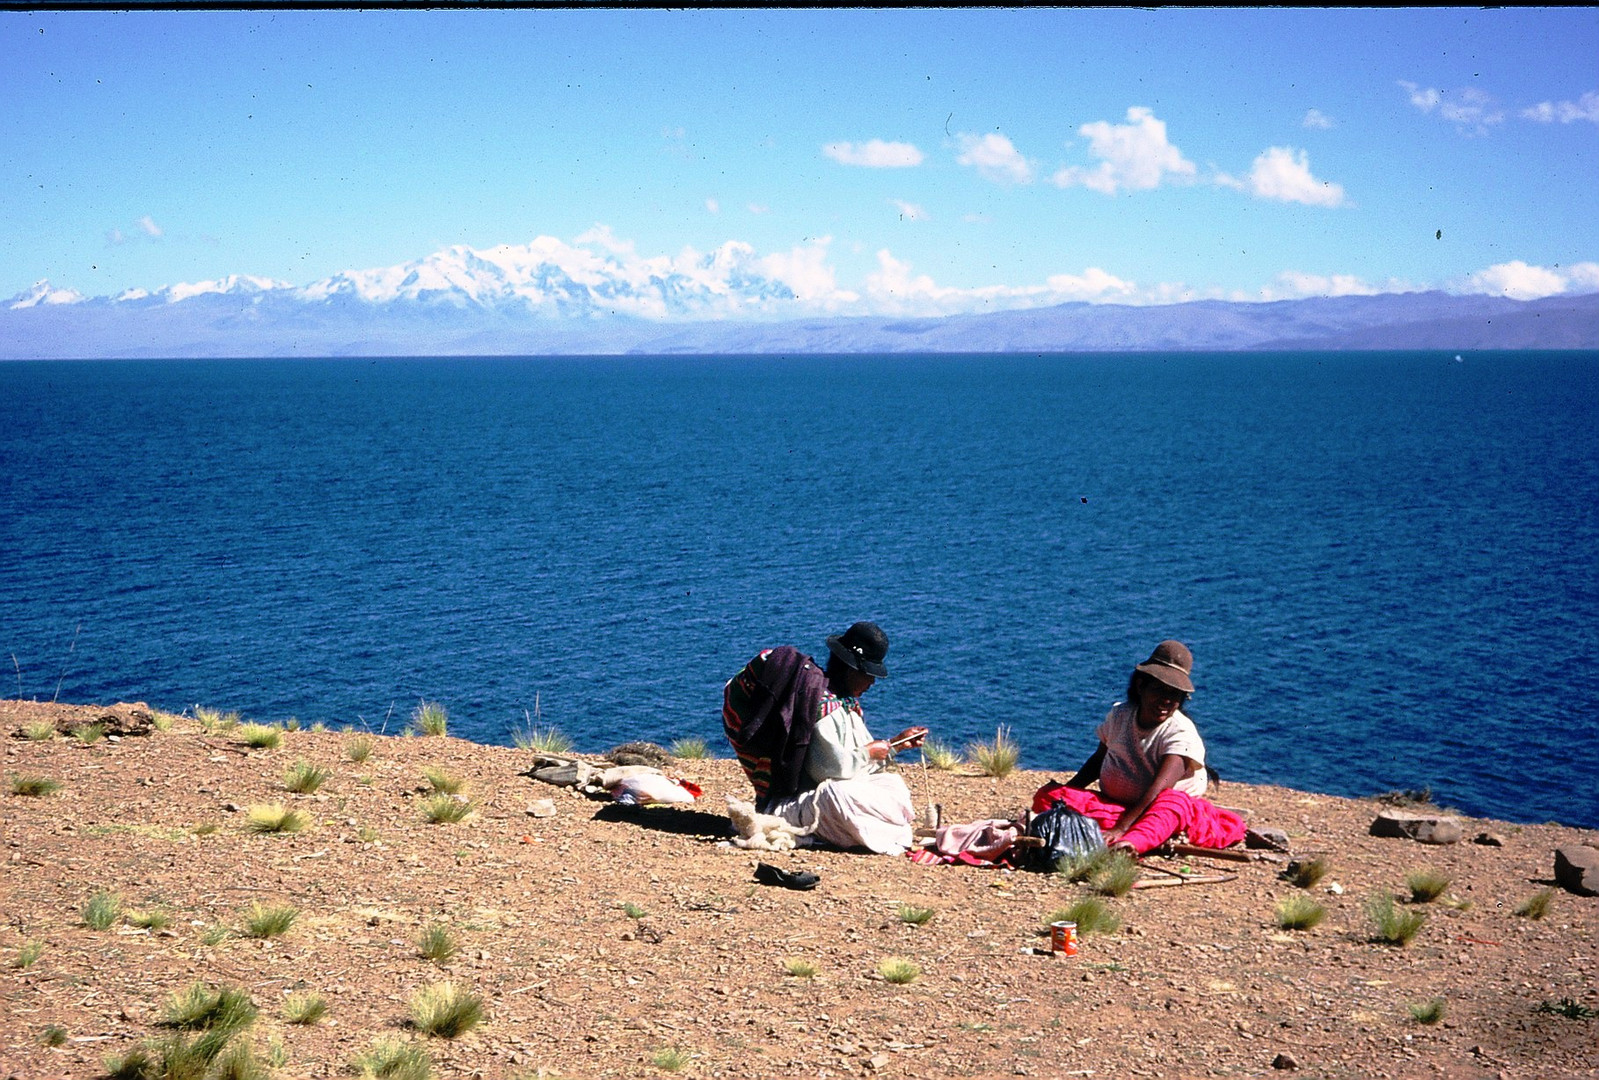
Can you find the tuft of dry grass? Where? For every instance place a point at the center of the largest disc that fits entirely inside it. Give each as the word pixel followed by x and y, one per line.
pixel 198 1007
pixel 393 1059
pixel 1536 906
pixel 274 818
pixel 436 943
pixel 1306 875
pixel 898 970
pixel 430 718
pixel 671 1059
pixel 445 1009
pixel 940 756
pixel 442 781
pixel 446 809
pixel 214 720
pixel 269 920
pixel 799 969
pixel 359 748
pixel 916 916
pixel 1091 916
pixel 304 778
pixel 998 758
pixel 28 954
pixel 1426 885
pixel 1427 1012
pixel 102 910
pixel 89 734
pixel 1082 867
pixel 260 736
pixel 1116 875
pixel 1298 912
pixel 1394 925
pixel 150 919
pixel 543 740
pixel 39 731
pixel 690 749
pixel 33 786
pixel 304 1008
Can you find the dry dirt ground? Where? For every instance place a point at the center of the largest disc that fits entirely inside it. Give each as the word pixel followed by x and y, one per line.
pixel 612 942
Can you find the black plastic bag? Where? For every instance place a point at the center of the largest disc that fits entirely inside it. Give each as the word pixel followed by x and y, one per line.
pixel 1066 834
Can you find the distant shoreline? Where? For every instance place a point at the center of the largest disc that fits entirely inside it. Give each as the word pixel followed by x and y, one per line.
pixel 276 323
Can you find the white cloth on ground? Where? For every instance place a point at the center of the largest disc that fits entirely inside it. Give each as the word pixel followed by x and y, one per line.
pixel 1133 755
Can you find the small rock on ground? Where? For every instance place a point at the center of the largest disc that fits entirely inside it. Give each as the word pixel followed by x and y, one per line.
pixel 1577 869
pixel 1422 828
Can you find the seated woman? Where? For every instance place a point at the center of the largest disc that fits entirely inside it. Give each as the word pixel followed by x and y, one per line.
pixel 1150 766
pixel 844 797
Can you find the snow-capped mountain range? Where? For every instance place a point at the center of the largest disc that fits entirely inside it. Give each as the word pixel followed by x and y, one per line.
pixel 599 296
pixel 547 277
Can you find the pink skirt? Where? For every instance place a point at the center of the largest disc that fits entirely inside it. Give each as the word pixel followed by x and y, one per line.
pixel 1172 812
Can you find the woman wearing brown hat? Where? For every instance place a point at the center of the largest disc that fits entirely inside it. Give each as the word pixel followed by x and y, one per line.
pixel 1150 765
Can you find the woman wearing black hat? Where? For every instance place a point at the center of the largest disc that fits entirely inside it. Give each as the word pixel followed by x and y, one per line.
pixel 1150 765
pixel 847 799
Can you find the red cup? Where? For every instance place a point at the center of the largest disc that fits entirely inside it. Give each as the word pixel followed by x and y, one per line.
pixel 1063 938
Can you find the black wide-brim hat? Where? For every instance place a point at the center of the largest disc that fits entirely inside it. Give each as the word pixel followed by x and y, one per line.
pixel 862 647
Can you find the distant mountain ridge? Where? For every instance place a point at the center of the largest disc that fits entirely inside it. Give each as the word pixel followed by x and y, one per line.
pixel 547 298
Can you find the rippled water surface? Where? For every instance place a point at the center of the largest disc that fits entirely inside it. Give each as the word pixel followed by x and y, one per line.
pixel 1385 564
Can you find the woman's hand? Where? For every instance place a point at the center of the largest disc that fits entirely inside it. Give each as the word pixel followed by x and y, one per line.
pixel 909 739
pixel 879 750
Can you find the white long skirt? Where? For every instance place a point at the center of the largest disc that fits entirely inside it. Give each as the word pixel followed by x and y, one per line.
pixel 874 812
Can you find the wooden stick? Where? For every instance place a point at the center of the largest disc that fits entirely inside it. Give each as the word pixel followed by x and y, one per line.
pixel 1183 879
pixel 1217 853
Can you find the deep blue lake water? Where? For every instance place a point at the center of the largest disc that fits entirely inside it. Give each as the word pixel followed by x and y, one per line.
pixel 1387 565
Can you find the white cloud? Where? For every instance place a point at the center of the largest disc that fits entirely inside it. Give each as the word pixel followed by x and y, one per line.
pixel 909 211
pixel 1583 277
pixel 805 270
pixel 713 206
pixel 758 208
pixel 1566 112
pixel 1425 100
pixel 994 158
pixel 1294 283
pixel 1316 120
pixel 1091 284
pixel 143 229
pixel 1135 155
pixel 874 154
pixel 1519 281
pixel 1470 110
pixel 1283 174
pixel 896 290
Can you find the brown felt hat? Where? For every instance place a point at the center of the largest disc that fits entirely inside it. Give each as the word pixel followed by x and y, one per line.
pixel 1171 663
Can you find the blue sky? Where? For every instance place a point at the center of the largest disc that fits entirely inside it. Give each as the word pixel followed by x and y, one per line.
pixel 915 160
